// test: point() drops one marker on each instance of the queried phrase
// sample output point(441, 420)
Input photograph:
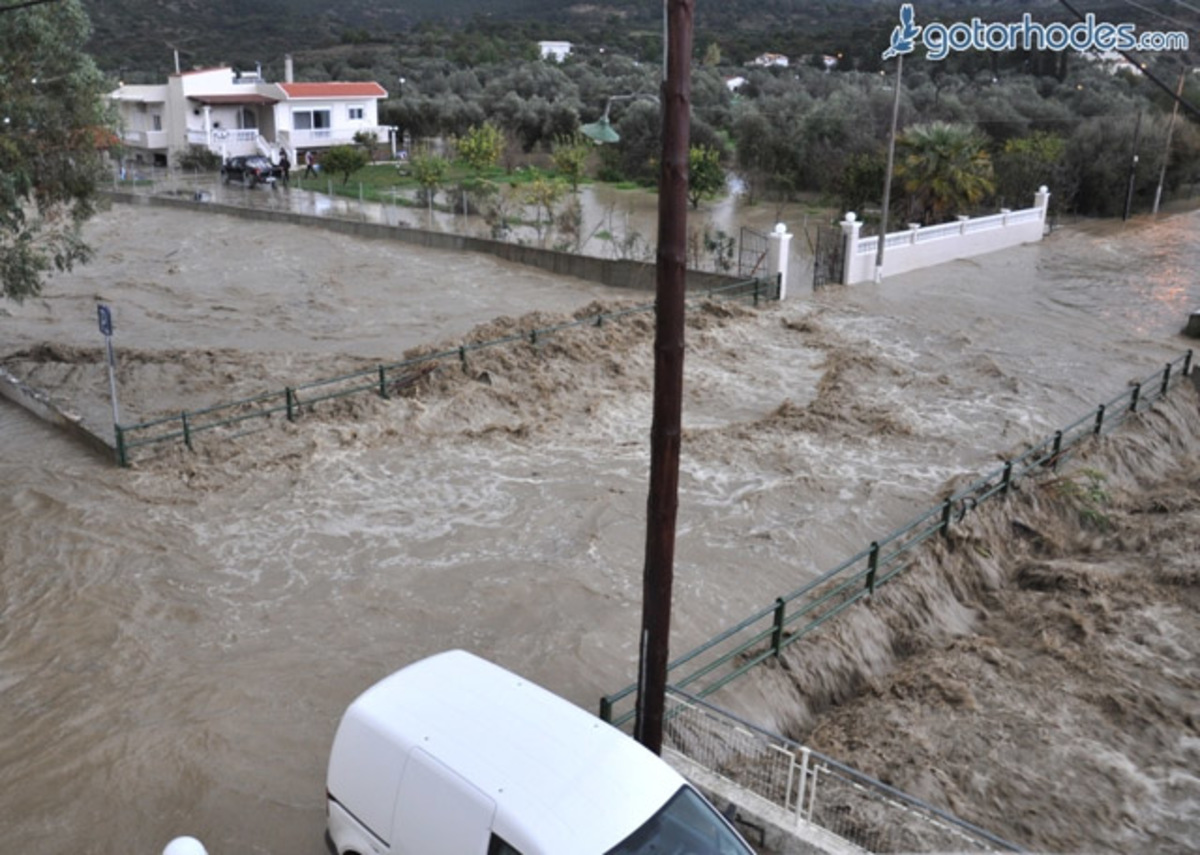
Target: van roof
point(563, 780)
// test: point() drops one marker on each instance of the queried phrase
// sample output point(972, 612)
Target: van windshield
point(686, 825)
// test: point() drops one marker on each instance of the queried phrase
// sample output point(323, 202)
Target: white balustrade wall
point(924, 246)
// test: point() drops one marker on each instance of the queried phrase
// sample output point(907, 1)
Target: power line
point(25, 5)
point(1186, 5)
point(1150, 75)
point(1158, 14)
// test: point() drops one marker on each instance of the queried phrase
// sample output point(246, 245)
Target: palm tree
point(945, 170)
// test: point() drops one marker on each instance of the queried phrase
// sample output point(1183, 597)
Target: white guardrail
point(816, 789)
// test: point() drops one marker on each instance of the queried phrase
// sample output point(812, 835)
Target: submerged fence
point(811, 787)
point(764, 634)
point(382, 380)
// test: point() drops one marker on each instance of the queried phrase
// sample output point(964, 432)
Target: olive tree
point(54, 127)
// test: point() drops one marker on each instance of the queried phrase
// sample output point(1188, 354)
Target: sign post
point(106, 329)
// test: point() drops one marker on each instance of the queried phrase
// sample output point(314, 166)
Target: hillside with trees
point(1016, 119)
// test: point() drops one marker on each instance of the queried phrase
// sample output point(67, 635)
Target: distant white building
point(234, 113)
point(770, 60)
point(558, 51)
point(1111, 61)
point(733, 84)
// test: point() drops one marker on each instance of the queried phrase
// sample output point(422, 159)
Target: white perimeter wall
point(919, 247)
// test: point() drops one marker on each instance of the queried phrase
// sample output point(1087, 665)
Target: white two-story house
point(233, 113)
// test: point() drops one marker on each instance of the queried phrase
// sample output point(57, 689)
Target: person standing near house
point(285, 166)
point(309, 161)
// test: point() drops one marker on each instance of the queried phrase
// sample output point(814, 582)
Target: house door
point(247, 119)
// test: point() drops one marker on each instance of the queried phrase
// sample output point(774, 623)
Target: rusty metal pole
point(665, 429)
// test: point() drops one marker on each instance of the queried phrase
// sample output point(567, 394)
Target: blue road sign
point(105, 319)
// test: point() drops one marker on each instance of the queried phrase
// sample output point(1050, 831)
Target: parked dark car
point(250, 170)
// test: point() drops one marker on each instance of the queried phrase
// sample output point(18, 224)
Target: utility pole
point(887, 176)
point(1162, 173)
point(665, 430)
point(1137, 134)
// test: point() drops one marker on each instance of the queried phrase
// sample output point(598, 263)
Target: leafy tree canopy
point(481, 147)
point(570, 154)
point(346, 159)
point(945, 168)
point(54, 127)
point(706, 178)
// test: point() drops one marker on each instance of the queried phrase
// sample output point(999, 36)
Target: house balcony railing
point(145, 139)
point(325, 137)
point(226, 142)
point(229, 142)
point(217, 136)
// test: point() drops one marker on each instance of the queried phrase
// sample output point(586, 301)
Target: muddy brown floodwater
point(177, 641)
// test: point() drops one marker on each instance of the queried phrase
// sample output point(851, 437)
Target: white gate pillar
point(851, 228)
point(779, 255)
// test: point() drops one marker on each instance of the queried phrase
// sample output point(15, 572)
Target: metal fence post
point(791, 779)
point(947, 513)
point(1008, 467)
point(1166, 384)
point(777, 631)
point(122, 457)
point(187, 432)
point(606, 709)
point(812, 793)
point(462, 357)
point(1134, 397)
point(291, 404)
point(383, 392)
point(1099, 427)
point(804, 756)
point(872, 566)
point(1187, 362)
point(1057, 449)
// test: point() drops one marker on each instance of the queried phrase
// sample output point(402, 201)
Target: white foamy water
point(177, 642)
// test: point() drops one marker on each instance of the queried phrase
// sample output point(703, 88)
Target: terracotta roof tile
point(333, 90)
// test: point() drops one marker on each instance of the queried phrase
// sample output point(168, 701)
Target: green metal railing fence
point(730, 654)
point(382, 380)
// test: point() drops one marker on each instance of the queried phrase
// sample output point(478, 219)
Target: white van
point(456, 756)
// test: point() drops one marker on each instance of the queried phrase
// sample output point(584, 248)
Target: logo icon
point(904, 37)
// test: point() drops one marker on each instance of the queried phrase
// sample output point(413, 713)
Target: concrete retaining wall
point(39, 403)
point(635, 275)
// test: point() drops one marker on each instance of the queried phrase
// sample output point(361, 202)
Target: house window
point(311, 120)
point(356, 114)
point(156, 122)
